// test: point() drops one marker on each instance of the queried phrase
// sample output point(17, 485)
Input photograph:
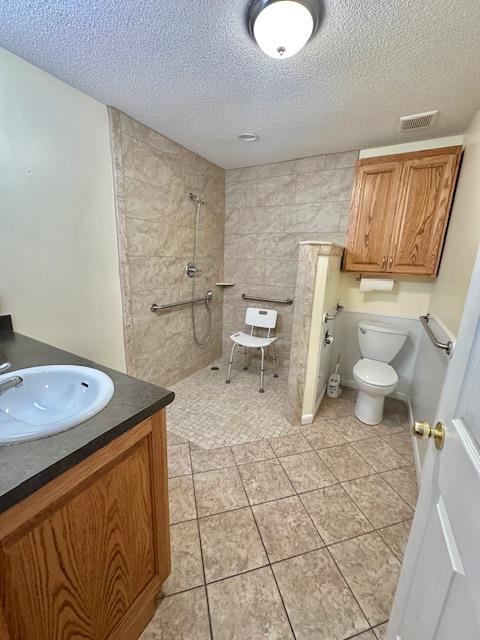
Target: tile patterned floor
point(213, 414)
point(298, 536)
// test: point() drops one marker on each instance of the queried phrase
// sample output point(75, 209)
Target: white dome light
point(282, 27)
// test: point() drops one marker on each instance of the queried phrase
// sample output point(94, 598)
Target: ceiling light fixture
point(248, 137)
point(282, 28)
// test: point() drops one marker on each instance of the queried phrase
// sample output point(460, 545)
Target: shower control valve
point(191, 270)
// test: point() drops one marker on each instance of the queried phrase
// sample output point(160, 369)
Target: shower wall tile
point(153, 178)
point(325, 186)
point(270, 191)
point(269, 210)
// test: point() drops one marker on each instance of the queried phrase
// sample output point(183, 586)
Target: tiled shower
point(250, 229)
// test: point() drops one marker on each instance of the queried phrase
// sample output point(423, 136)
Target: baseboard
point(308, 418)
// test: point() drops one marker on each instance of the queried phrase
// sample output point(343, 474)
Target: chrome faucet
point(4, 363)
point(10, 383)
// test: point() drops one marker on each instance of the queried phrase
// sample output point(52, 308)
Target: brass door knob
point(423, 430)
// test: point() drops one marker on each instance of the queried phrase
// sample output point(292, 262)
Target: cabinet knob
point(384, 259)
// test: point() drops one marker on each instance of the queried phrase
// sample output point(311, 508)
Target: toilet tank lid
point(383, 328)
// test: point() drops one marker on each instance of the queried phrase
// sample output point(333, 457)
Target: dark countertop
point(26, 466)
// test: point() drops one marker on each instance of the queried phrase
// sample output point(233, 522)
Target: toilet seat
point(375, 373)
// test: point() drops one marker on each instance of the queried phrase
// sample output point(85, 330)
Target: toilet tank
point(380, 341)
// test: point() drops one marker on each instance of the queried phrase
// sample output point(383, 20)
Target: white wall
point(58, 256)
point(409, 297)
point(463, 237)
point(450, 289)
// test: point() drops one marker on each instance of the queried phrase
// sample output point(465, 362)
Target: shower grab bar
point(446, 346)
point(338, 309)
point(272, 300)
point(208, 297)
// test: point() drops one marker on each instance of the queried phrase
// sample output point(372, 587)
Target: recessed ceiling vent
point(417, 121)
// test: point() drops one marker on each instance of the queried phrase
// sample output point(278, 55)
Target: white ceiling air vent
point(417, 121)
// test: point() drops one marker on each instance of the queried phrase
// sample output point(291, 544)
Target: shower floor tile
point(212, 414)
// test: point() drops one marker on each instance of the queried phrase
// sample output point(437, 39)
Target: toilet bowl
point(373, 375)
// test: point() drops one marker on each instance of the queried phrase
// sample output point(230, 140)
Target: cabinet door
point(371, 216)
point(422, 215)
point(84, 556)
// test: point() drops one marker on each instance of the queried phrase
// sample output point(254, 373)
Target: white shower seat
point(256, 319)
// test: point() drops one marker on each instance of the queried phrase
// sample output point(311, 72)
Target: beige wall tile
point(325, 186)
point(156, 176)
point(270, 191)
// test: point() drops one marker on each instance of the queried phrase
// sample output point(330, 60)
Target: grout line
point(268, 559)
point(201, 551)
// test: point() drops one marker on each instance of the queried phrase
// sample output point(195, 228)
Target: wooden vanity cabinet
point(85, 556)
point(399, 213)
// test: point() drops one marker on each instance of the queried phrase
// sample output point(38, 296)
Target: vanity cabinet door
point(423, 208)
point(85, 555)
point(371, 216)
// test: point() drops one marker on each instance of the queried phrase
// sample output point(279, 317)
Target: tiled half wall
point(269, 210)
point(153, 177)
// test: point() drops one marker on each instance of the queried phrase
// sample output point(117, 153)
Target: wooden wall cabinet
point(85, 556)
point(400, 209)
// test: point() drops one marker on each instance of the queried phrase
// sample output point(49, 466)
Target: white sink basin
point(51, 399)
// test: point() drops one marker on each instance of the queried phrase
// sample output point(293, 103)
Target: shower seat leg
point(274, 358)
point(230, 362)
point(245, 353)
point(262, 370)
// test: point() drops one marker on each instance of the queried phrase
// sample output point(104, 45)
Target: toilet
point(373, 375)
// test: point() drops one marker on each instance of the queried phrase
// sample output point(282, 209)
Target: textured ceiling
point(188, 69)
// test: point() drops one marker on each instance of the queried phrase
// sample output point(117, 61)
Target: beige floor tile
point(252, 452)
point(404, 481)
point(379, 454)
point(345, 463)
point(352, 429)
point(318, 601)
point(265, 480)
point(183, 616)
point(335, 514)
point(321, 434)
point(380, 631)
point(336, 407)
point(179, 460)
point(402, 444)
point(187, 568)
point(181, 499)
point(372, 571)
point(173, 438)
point(286, 528)
point(287, 445)
point(218, 491)
point(366, 635)
point(231, 544)
point(378, 501)
point(396, 410)
point(307, 472)
point(248, 607)
point(210, 459)
point(396, 537)
point(390, 427)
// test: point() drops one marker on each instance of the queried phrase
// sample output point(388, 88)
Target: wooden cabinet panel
point(422, 216)
point(78, 560)
point(373, 204)
point(400, 209)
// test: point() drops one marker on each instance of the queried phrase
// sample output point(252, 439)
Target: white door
point(438, 595)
